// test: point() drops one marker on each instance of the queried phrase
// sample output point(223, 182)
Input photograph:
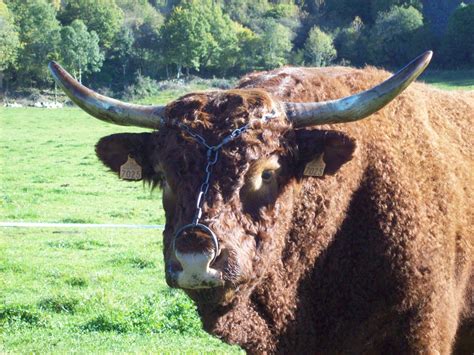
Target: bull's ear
point(323, 152)
point(114, 151)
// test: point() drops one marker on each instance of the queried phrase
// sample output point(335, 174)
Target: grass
point(60, 297)
point(450, 79)
point(82, 291)
point(50, 172)
point(89, 291)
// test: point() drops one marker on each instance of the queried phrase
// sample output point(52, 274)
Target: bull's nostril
point(173, 269)
point(174, 266)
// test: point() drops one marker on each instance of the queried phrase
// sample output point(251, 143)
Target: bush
point(143, 87)
point(319, 48)
point(458, 44)
point(397, 36)
point(351, 43)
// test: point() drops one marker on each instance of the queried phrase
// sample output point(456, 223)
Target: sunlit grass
point(50, 172)
point(93, 291)
point(82, 291)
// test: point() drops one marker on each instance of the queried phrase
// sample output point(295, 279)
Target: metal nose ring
point(202, 227)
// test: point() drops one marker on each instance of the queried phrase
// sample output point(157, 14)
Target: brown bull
point(294, 234)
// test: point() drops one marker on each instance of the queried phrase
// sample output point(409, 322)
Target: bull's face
point(220, 248)
point(253, 186)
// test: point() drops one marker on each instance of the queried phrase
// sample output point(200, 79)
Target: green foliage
point(120, 55)
point(456, 50)
point(378, 6)
point(249, 45)
point(39, 35)
point(343, 11)
point(397, 36)
point(351, 43)
point(437, 14)
point(223, 52)
point(186, 37)
point(160, 39)
point(319, 48)
point(79, 49)
point(9, 41)
point(197, 34)
point(102, 16)
point(273, 45)
point(246, 12)
point(138, 12)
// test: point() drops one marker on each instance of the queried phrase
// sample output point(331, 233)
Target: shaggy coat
point(376, 256)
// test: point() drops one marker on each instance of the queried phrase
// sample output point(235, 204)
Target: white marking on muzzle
point(196, 271)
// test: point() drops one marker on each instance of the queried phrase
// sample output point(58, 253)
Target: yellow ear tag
point(315, 167)
point(131, 170)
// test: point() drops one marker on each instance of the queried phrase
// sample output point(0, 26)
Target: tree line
point(120, 42)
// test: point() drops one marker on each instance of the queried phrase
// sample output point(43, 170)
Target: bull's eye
point(267, 175)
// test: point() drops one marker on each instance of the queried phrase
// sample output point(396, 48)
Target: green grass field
point(84, 291)
point(73, 290)
point(450, 79)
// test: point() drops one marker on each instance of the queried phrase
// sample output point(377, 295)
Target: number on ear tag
point(315, 167)
point(131, 170)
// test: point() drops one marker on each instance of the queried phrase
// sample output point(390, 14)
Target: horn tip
point(54, 68)
point(53, 65)
point(425, 58)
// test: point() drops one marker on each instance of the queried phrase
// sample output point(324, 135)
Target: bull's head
point(235, 226)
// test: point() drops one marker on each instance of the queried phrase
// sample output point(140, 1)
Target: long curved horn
point(359, 106)
point(106, 108)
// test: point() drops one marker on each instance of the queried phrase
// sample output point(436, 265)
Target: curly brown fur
point(375, 256)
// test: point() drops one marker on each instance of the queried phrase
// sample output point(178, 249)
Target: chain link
point(212, 155)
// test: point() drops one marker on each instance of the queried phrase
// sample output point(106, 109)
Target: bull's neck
point(263, 317)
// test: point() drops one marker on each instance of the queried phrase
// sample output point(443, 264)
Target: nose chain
point(212, 155)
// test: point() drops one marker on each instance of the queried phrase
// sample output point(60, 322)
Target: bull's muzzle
point(196, 247)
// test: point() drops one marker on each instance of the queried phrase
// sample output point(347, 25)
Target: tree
point(246, 12)
point(39, 38)
point(223, 51)
point(458, 43)
point(319, 48)
point(80, 49)
point(378, 6)
point(437, 13)
point(351, 43)
point(249, 46)
point(185, 37)
point(102, 16)
point(274, 44)
point(343, 11)
point(397, 36)
point(138, 12)
point(119, 57)
point(9, 41)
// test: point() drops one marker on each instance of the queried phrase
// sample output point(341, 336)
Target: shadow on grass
point(450, 79)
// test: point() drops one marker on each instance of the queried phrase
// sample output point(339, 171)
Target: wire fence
point(78, 225)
